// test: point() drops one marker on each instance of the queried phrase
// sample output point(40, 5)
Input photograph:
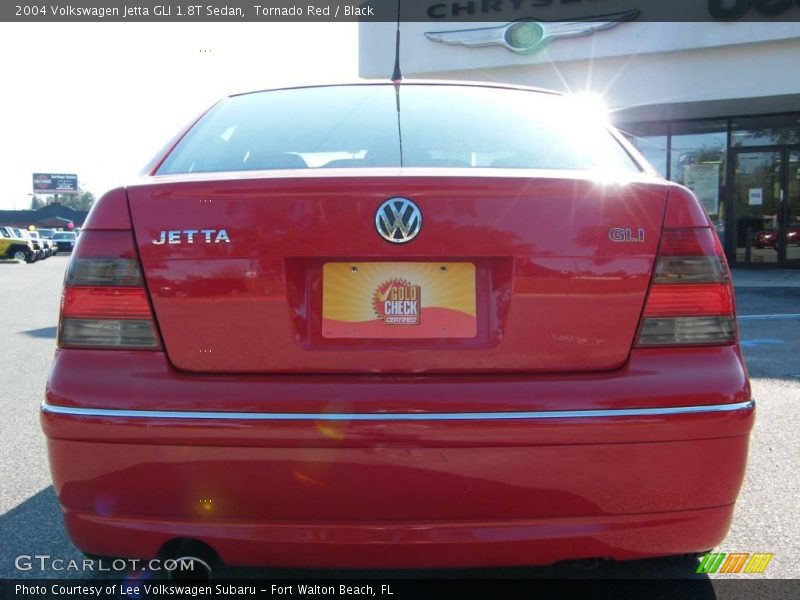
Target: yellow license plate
point(398, 300)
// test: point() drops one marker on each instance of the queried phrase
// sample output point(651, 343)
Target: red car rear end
point(396, 326)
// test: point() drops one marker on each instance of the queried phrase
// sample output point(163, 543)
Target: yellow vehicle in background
point(15, 247)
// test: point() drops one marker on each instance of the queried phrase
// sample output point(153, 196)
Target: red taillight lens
point(105, 303)
point(691, 299)
point(117, 302)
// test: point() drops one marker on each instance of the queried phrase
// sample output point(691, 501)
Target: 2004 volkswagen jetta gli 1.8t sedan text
point(398, 325)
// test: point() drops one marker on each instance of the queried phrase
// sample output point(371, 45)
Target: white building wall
point(647, 70)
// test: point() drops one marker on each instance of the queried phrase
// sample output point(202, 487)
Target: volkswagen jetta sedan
point(398, 325)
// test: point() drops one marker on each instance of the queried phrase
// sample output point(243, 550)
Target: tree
point(83, 200)
point(36, 203)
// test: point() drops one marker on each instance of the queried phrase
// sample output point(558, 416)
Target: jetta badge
point(398, 220)
point(189, 236)
point(529, 36)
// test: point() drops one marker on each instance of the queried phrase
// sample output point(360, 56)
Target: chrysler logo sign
point(529, 36)
point(398, 220)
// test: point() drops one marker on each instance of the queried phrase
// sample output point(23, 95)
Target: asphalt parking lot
point(767, 517)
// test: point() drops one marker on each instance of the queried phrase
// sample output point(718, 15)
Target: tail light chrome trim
point(690, 270)
point(687, 331)
point(106, 413)
point(105, 302)
point(124, 334)
point(690, 301)
point(118, 272)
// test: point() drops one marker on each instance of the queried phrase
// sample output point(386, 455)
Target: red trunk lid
point(543, 273)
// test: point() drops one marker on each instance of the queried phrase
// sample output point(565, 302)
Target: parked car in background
point(768, 237)
point(12, 246)
point(64, 240)
point(47, 246)
point(48, 235)
point(37, 245)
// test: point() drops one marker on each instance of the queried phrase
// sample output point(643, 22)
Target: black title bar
point(387, 10)
point(699, 588)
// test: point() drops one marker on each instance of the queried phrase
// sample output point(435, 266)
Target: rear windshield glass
point(388, 126)
point(64, 236)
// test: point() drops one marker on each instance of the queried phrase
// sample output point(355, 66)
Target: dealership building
point(714, 106)
point(54, 216)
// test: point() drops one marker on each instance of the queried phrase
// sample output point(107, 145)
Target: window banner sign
point(703, 180)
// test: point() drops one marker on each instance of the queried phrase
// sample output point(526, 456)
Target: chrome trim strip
point(477, 416)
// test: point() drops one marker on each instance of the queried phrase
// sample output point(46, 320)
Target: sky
point(101, 99)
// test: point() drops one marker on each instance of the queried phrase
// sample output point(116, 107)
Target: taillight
point(105, 303)
point(691, 300)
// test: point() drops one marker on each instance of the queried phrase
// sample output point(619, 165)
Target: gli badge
point(626, 235)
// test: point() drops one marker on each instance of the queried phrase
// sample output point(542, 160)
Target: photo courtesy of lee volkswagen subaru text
point(398, 325)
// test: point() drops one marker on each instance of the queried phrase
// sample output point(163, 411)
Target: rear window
point(392, 126)
point(64, 236)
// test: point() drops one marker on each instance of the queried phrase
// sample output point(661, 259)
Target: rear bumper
point(412, 545)
point(345, 487)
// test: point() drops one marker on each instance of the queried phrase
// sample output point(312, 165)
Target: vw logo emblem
point(398, 220)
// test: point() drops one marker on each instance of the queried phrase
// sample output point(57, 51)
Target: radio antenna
point(397, 75)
